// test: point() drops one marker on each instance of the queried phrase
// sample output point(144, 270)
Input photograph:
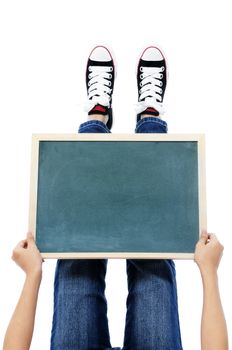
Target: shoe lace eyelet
point(110, 76)
point(141, 76)
point(89, 76)
point(160, 84)
point(89, 83)
point(109, 83)
point(141, 69)
point(90, 68)
point(161, 76)
point(141, 84)
point(162, 69)
point(111, 69)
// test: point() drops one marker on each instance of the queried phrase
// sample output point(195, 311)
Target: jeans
point(80, 307)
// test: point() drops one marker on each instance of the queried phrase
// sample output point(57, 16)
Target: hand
point(208, 253)
point(27, 256)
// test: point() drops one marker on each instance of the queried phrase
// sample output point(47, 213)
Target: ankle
point(100, 117)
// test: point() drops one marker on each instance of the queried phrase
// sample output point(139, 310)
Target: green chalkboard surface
point(117, 196)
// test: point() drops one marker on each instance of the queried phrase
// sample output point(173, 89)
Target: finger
point(16, 251)
point(21, 244)
point(30, 239)
point(30, 236)
point(204, 237)
point(212, 238)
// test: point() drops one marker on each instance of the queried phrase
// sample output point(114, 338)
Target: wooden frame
point(199, 138)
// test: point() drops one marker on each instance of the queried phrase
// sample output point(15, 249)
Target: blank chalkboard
point(137, 196)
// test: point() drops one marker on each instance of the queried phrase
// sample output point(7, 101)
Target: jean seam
point(153, 119)
point(56, 287)
point(101, 127)
point(150, 120)
point(161, 122)
point(94, 124)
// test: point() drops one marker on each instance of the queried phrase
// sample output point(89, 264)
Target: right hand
point(208, 253)
point(27, 256)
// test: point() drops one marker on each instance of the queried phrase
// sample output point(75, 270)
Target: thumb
point(204, 237)
point(30, 238)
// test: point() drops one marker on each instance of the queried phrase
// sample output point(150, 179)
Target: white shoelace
point(99, 90)
point(151, 89)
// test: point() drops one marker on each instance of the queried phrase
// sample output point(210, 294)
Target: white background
point(44, 46)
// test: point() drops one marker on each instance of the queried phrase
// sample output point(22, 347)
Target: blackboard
point(117, 196)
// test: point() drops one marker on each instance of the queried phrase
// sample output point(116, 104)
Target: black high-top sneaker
point(151, 82)
point(100, 74)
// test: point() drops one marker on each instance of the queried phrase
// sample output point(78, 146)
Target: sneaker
point(100, 74)
point(151, 82)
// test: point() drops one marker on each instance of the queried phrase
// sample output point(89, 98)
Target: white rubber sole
point(162, 53)
point(111, 52)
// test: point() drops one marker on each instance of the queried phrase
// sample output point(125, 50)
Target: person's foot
point(100, 74)
point(151, 82)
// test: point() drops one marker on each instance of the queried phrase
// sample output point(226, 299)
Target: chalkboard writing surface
point(131, 196)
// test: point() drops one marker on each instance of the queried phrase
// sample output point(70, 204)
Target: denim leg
point(93, 126)
point(80, 307)
point(152, 320)
point(151, 125)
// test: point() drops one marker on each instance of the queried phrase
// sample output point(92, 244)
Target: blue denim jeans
point(80, 307)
